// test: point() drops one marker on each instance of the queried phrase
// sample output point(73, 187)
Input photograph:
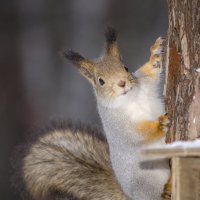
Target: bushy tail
point(68, 161)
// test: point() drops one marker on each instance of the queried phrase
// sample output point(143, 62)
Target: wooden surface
point(182, 91)
point(185, 178)
point(185, 168)
point(182, 84)
point(171, 152)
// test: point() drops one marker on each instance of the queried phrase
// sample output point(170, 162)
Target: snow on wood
point(198, 70)
point(175, 149)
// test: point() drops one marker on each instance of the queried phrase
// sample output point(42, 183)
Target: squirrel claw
point(164, 122)
point(158, 46)
point(156, 64)
point(157, 51)
point(167, 190)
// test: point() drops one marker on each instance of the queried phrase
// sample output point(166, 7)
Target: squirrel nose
point(122, 84)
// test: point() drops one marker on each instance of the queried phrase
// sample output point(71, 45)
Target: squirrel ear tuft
point(85, 66)
point(111, 43)
point(111, 35)
point(73, 56)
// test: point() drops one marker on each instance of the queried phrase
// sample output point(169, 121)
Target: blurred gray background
point(37, 84)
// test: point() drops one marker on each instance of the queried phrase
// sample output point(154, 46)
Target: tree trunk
point(182, 84)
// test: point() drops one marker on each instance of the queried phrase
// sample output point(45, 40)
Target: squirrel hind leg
point(167, 192)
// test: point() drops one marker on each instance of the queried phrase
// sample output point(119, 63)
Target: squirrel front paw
point(153, 67)
point(163, 123)
point(152, 130)
point(157, 51)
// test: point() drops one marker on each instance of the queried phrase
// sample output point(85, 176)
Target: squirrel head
point(108, 76)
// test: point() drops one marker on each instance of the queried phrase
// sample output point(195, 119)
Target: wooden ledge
point(185, 157)
point(175, 149)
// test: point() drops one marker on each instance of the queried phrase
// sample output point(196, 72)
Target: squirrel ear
point(111, 42)
point(85, 66)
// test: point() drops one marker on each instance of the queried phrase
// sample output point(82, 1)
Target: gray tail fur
point(69, 162)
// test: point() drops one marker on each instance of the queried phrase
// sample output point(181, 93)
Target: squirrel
point(75, 163)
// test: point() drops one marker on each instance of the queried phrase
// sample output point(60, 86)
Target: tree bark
point(182, 84)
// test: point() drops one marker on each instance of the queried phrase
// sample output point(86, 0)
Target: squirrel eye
point(101, 81)
point(126, 68)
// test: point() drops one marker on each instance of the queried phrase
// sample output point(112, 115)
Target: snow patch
point(179, 144)
point(198, 70)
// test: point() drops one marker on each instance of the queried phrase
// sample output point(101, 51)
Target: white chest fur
point(139, 179)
